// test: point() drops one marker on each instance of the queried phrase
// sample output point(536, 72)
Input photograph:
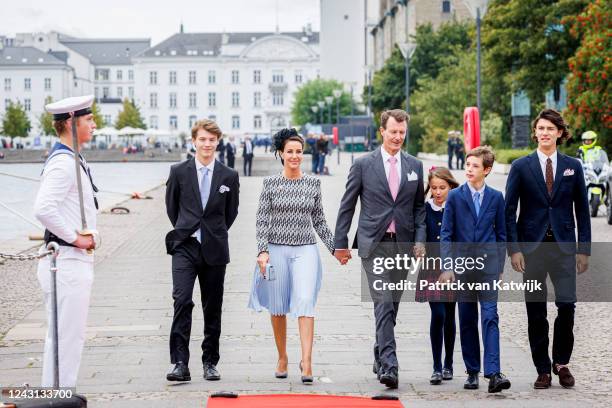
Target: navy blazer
point(461, 225)
point(538, 210)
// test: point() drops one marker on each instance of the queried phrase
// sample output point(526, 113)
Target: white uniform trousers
point(74, 280)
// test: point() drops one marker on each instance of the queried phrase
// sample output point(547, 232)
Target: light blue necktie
point(477, 202)
point(204, 193)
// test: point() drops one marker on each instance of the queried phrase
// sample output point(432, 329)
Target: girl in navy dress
point(441, 302)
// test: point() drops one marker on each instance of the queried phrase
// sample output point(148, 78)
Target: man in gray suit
point(389, 184)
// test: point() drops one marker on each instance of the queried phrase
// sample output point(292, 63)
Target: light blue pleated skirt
point(298, 273)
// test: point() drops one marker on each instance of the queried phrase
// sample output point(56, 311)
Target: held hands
point(342, 255)
point(446, 277)
point(419, 250)
point(262, 261)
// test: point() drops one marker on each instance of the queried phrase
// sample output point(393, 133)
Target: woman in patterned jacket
point(287, 278)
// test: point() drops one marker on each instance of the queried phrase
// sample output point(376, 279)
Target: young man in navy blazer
point(551, 190)
point(474, 213)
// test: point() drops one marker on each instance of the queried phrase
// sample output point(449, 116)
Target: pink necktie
point(393, 186)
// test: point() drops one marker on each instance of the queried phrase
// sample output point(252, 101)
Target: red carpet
point(300, 401)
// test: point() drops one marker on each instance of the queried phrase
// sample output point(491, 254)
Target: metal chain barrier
point(28, 257)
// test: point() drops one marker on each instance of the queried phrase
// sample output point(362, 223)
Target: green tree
point(433, 48)
point(439, 103)
point(528, 44)
point(100, 123)
point(588, 84)
point(15, 121)
point(129, 116)
point(312, 92)
point(45, 120)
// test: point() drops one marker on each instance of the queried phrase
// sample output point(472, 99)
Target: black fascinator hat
point(282, 136)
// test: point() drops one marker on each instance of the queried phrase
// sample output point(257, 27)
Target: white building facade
point(244, 81)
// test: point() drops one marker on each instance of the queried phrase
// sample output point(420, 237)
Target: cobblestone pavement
point(126, 353)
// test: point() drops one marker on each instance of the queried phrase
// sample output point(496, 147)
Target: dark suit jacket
point(244, 149)
point(538, 210)
point(230, 151)
point(184, 208)
point(461, 226)
point(368, 182)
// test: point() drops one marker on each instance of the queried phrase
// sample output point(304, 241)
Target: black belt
point(390, 236)
point(49, 236)
point(549, 236)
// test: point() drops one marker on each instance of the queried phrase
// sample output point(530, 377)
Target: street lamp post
point(321, 106)
point(337, 94)
point(328, 102)
point(369, 109)
point(314, 109)
point(481, 9)
point(407, 50)
point(352, 118)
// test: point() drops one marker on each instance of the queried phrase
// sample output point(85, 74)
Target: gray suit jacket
point(367, 181)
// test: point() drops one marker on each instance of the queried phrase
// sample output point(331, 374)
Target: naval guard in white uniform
point(66, 206)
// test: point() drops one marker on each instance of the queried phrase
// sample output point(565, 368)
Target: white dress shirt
point(474, 191)
point(57, 203)
point(200, 174)
point(398, 163)
point(542, 157)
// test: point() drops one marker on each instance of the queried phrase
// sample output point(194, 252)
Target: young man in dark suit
point(202, 204)
point(551, 190)
point(247, 156)
point(230, 152)
point(473, 223)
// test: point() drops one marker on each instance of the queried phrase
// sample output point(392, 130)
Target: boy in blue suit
point(475, 214)
point(550, 187)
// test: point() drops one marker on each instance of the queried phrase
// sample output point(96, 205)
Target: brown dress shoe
point(566, 379)
point(543, 382)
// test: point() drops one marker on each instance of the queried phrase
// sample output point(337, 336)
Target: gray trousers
point(386, 305)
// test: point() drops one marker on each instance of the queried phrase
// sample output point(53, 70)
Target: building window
point(257, 122)
point(105, 92)
point(27, 84)
point(97, 92)
point(235, 77)
point(7, 84)
point(257, 76)
point(120, 92)
point(173, 123)
point(212, 77)
point(278, 98)
point(235, 99)
point(7, 103)
point(257, 99)
point(27, 104)
point(446, 6)
point(212, 99)
point(193, 100)
point(298, 77)
point(153, 78)
point(107, 119)
point(235, 122)
point(131, 75)
point(192, 120)
point(119, 75)
point(131, 92)
point(153, 99)
point(47, 84)
point(153, 122)
point(212, 117)
point(102, 74)
point(192, 78)
point(277, 77)
point(172, 99)
point(172, 78)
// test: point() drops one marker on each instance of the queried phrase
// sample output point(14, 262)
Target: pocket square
point(412, 176)
point(223, 189)
point(568, 172)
